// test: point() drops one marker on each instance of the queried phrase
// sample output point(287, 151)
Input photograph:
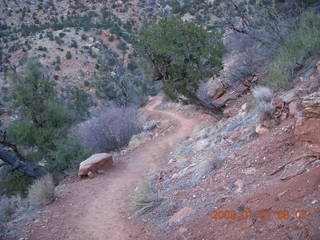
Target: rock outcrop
point(94, 163)
point(307, 126)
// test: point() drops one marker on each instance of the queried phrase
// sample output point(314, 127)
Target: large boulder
point(307, 125)
point(94, 163)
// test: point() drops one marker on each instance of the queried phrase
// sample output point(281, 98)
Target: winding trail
point(100, 208)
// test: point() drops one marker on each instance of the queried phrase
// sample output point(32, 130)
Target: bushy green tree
point(43, 121)
point(117, 86)
point(181, 54)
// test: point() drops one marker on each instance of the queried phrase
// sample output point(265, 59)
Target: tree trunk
point(17, 162)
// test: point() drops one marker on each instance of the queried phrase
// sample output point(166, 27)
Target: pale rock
point(239, 185)
point(183, 230)
point(90, 174)
point(292, 108)
point(201, 145)
point(261, 130)
point(179, 216)
point(95, 162)
point(100, 171)
point(245, 108)
point(289, 96)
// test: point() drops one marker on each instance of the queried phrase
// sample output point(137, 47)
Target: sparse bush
point(111, 38)
point(68, 55)
point(84, 37)
point(74, 44)
point(203, 92)
point(62, 34)
point(145, 198)
point(111, 130)
point(300, 45)
point(263, 96)
point(6, 209)
point(44, 49)
point(58, 40)
point(41, 192)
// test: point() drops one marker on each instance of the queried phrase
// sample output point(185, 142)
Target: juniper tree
point(182, 55)
point(43, 119)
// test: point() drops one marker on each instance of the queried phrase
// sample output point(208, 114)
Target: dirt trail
point(99, 208)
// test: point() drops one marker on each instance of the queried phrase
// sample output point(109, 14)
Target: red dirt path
point(99, 208)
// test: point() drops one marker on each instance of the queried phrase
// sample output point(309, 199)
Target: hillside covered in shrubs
point(233, 85)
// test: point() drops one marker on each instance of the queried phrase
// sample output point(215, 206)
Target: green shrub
point(40, 48)
point(68, 55)
point(84, 37)
point(300, 45)
point(181, 54)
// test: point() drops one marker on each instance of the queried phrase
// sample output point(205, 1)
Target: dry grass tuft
point(41, 192)
point(263, 96)
point(145, 198)
point(6, 209)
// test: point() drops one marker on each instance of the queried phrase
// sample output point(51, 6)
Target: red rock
point(315, 148)
point(94, 163)
point(184, 212)
point(311, 105)
point(308, 130)
point(307, 125)
point(217, 88)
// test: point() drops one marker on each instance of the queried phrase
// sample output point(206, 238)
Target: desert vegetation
point(301, 45)
point(145, 198)
point(74, 74)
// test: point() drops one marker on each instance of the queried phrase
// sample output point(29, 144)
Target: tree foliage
point(43, 119)
point(115, 83)
point(181, 54)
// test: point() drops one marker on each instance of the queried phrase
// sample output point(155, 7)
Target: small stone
point(281, 194)
point(184, 212)
point(90, 174)
point(239, 185)
point(314, 201)
point(261, 130)
point(100, 171)
point(183, 230)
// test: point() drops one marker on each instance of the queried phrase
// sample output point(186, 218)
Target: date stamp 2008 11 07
point(262, 214)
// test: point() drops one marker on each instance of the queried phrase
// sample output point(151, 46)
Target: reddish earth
point(272, 174)
point(100, 208)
